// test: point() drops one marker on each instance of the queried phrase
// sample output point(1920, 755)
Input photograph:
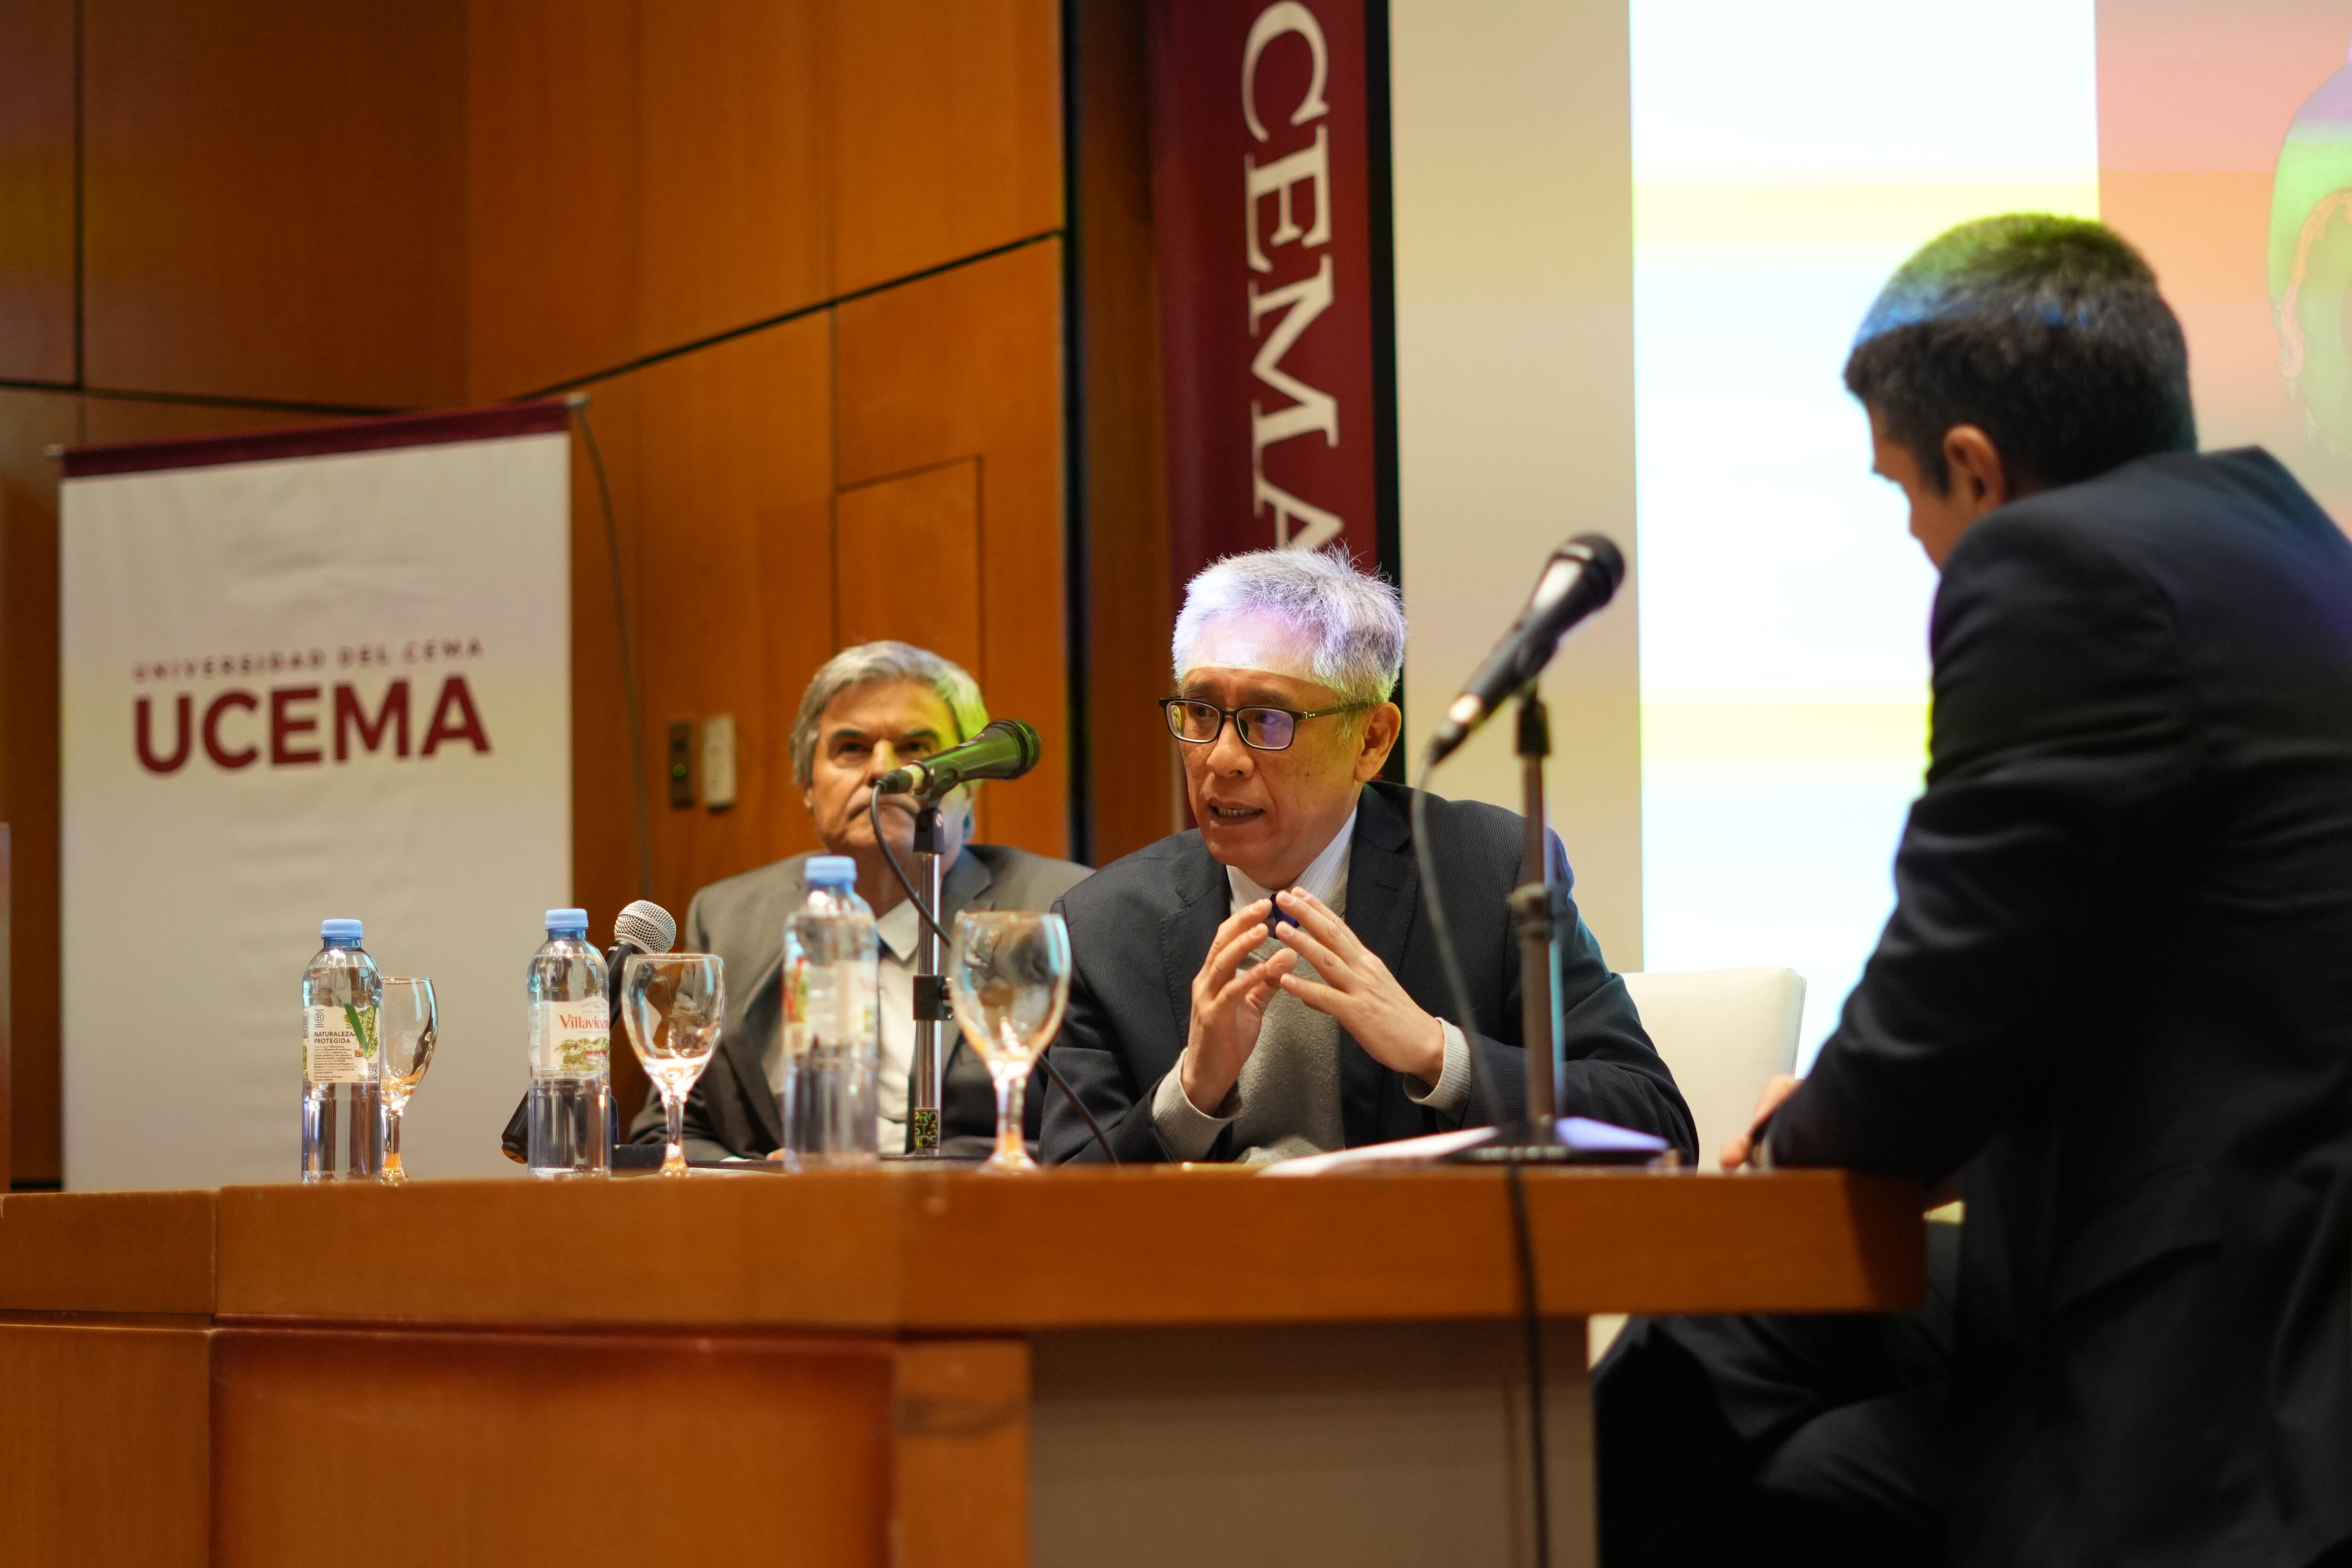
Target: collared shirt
point(1188, 1130)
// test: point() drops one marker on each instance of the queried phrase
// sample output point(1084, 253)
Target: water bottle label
point(836, 1004)
point(797, 1004)
point(339, 1045)
point(568, 1038)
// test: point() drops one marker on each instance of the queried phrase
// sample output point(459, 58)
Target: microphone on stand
point(1005, 749)
point(644, 927)
point(1581, 577)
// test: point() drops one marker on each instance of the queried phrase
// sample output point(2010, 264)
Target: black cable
point(1531, 1328)
point(1530, 1316)
point(579, 404)
point(1481, 1093)
point(1045, 1056)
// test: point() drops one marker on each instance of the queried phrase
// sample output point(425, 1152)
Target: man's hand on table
point(1741, 1150)
point(1228, 1006)
point(1354, 986)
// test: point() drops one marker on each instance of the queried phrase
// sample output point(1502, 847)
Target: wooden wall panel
point(734, 98)
point(29, 423)
point(103, 1446)
point(469, 1447)
point(274, 199)
point(947, 132)
point(963, 1453)
point(1131, 606)
point(550, 192)
point(907, 555)
point(106, 420)
point(734, 447)
point(968, 364)
point(37, 191)
point(604, 811)
point(721, 468)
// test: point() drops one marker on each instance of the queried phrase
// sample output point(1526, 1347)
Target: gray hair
point(1352, 620)
point(878, 662)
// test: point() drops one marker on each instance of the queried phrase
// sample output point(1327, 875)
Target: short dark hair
point(2045, 332)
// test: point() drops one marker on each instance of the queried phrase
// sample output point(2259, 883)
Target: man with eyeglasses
point(1267, 985)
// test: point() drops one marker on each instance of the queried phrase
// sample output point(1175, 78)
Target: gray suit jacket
point(741, 920)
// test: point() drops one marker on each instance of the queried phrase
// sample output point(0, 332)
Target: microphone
point(1581, 577)
point(644, 927)
point(1006, 749)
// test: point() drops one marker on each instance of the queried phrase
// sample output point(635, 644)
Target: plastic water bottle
point(832, 1017)
point(343, 1100)
point(570, 1039)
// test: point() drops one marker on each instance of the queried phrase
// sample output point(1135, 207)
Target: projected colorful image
point(1783, 605)
point(1786, 158)
point(2311, 271)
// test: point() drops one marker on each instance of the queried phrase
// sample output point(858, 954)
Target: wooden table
point(1139, 1366)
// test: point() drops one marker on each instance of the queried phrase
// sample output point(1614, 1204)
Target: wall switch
point(681, 765)
point(718, 761)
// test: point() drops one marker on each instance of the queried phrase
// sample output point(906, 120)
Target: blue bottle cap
point(340, 933)
point(830, 871)
point(567, 922)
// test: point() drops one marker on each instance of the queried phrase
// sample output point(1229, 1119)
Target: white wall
point(1514, 358)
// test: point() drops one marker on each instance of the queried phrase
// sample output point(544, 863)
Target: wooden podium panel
point(959, 1252)
point(144, 1253)
point(907, 1366)
point(104, 1458)
point(525, 1448)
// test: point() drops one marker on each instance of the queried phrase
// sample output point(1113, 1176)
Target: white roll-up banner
point(306, 674)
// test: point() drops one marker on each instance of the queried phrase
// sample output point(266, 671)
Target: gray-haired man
point(1265, 985)
point(870, 708)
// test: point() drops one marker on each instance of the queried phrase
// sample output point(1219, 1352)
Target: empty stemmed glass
point(407, 1025)
point(674, 1003)
point(1010, 980)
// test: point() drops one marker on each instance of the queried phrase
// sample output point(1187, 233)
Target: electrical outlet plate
point(681, 765)
point(718, 762)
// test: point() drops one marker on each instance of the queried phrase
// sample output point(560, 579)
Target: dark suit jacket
point(1140, 928)
point(2118, 988)
point(741, 920)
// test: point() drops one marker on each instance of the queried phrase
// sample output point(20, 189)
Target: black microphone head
point(646, 926)
point(1605, 561)
point(1031, 748)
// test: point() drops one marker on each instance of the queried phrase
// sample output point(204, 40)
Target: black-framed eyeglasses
point(1262, 729)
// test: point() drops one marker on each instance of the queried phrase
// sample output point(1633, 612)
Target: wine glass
point(1010, 980)
point(407, 1024)
point(673, 1004)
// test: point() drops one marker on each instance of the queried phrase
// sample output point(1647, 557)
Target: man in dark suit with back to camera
point(2115, 998)
point(870, 708)
point(1267, 985)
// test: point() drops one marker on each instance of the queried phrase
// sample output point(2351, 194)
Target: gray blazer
point(741, 920)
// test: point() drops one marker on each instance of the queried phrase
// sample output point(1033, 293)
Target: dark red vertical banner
point(1269, 192)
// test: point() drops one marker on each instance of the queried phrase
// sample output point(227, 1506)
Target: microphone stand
point(1539, 905)
point(930, 990)
point(931, 1013)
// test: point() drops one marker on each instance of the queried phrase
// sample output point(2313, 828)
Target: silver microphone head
point(646, 926)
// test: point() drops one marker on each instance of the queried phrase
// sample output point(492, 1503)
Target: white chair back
point(1722, 1032)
